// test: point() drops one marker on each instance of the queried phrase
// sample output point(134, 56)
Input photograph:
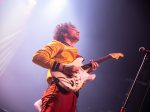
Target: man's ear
point(64, 34)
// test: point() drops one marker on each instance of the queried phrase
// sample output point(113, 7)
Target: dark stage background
point(106, 26)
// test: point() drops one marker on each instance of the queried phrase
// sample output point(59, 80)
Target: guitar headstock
point(116, 55)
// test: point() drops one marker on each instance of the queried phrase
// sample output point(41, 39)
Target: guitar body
point(76, 82)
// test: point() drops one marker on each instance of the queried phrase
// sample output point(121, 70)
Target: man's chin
point(75, 40)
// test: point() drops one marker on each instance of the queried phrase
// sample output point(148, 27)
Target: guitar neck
point(87, 66)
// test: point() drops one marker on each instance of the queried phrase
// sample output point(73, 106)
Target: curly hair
point(60, 29)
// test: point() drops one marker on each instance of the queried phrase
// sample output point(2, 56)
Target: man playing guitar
point(66, 73)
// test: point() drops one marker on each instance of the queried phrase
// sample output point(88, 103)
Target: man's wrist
point(55, 66)
point(61, 67)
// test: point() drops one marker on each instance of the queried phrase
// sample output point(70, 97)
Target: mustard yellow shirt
point(54, 51)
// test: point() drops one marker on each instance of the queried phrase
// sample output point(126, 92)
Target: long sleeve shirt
point(54, 52)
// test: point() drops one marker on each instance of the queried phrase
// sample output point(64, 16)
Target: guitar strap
point(54, 80)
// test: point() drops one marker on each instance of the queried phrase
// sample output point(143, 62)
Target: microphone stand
point(123, 108)
point(145, 95)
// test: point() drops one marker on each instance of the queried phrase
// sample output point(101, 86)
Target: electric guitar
point(78, 80)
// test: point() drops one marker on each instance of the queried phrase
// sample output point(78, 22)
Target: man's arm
point(44, 56)
point(37, 105)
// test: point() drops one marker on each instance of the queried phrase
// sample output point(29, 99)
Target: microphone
point(142, 49)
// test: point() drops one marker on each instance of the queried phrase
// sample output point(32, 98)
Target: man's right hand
point(68, 70)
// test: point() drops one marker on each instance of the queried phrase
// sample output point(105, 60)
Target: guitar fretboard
point(87, 66)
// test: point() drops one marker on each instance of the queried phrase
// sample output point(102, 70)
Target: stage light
point(32, 2)
point(54, 7)
point(58, 5)
point(8, 48)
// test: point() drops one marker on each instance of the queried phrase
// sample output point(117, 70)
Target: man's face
point(74, 34)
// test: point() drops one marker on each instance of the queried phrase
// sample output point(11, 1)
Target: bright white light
point(55, 9)
point(32, 2)
point(58, 5)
